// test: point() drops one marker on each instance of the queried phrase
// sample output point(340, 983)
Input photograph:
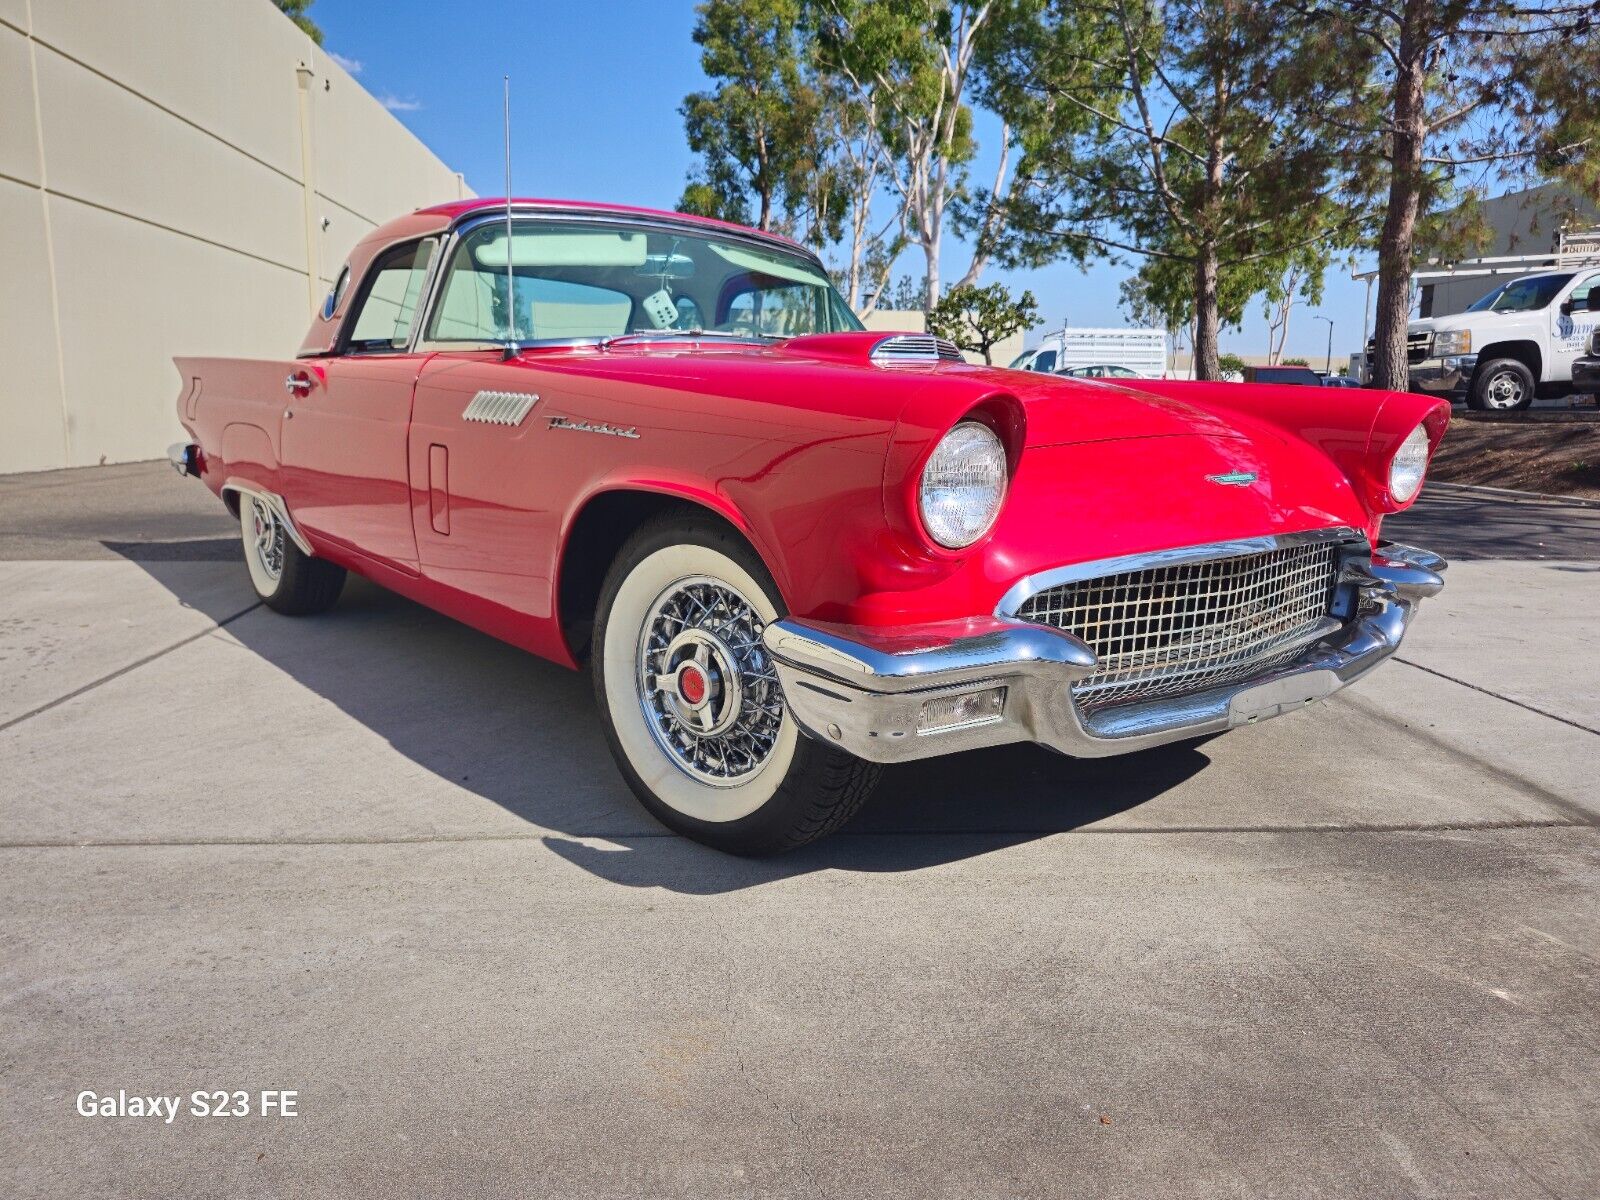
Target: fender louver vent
point(910, 349)
point(500, 408)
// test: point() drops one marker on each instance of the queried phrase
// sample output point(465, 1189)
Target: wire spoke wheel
point(267, 538)
point(710, 695)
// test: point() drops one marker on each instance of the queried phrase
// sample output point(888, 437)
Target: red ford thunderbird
point(788, 549)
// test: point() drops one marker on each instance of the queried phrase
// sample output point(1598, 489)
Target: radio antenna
point(511, 275)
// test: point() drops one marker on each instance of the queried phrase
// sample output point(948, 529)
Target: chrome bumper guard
point(869, 690)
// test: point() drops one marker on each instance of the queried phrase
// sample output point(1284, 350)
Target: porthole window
point(331, 304)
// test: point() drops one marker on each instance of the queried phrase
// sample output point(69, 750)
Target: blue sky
point(595, 93)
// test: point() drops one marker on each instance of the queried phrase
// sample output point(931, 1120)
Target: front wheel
point(1501, 385)
point(692, 707)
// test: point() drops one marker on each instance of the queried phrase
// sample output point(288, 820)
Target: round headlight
point(963, 485)
point(1408, 466)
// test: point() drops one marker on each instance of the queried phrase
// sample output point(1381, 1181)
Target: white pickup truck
point(1518, 341)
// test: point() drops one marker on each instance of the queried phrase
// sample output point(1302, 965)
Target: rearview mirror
point(666, 266)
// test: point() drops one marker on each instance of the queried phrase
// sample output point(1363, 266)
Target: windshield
point(1522, 295)
point(593, 280)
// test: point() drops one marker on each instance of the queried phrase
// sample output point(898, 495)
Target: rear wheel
point(693, 710)
point(1501, 385)
point(285, 577)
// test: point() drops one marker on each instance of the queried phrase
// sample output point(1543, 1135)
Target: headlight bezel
point(1450, 342)
point(1412, 454)
point(982, 445)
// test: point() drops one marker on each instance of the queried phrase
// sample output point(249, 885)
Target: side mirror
point(1594, 298)
point(1566, 308)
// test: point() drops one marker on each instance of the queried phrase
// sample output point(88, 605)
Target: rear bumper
point(184, 457)
point(869, 690)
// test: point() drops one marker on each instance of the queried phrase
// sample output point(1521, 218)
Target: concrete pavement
point(385, 861)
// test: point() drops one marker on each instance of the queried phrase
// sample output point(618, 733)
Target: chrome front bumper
point(868, 690)
point(1448, 376)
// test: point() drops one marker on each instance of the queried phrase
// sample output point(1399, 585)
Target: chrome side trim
point(500, 408)
point(279, 510)
point(1074, 573)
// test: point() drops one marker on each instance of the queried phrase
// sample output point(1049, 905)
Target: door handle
point(298, 384)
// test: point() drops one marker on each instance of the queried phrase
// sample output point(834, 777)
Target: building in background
point(1530, 222)
point(176, 178)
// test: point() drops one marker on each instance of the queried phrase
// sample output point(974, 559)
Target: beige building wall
point(177, 177)
point(1527, 222)
point(894, 320)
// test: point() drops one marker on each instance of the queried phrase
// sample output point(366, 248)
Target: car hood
point(1060, 410)
point(835, 372)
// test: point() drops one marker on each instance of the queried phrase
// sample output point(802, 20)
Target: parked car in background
point(1141, 351)
point(1340, 381)
point(1517, 342)
point(787, 549)
point(1296, 375)
point(1099, 371)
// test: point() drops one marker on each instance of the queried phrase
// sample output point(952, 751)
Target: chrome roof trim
point(1032, 585)
point(471, 220)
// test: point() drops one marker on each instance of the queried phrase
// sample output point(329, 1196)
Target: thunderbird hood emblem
point(1233, 478)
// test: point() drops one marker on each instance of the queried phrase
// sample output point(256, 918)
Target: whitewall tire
point(692, 706)
point(285, 577)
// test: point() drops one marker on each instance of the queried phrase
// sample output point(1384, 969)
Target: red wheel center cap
point(692, 685)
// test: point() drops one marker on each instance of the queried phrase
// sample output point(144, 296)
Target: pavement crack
point(123, 670)
point(1498, 696)
point(543, 835)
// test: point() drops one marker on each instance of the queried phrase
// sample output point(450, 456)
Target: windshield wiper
point(686, 335)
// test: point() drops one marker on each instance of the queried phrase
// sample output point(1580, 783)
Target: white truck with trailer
point(1142, 351)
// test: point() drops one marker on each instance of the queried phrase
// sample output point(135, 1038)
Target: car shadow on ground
point(524, 734)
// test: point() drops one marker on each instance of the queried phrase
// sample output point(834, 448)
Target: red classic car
point(789, 549)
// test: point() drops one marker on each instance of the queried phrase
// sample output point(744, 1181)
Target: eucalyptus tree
point(1177, 133)
point(755, 130)
point(918, 65)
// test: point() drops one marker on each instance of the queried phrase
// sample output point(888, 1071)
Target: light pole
point(1327, 365)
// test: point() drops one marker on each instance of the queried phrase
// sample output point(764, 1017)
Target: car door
point(344, 429)
point(1571, 325)
point(488, 486)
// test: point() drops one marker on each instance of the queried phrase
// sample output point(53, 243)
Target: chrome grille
point(1173, 630)
point(1418, 346)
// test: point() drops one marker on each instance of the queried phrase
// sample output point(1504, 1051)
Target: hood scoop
point(913, 349)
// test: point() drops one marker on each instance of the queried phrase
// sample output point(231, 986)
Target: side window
point(1045, 362)
point(384, 315)
point(1580, 294)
